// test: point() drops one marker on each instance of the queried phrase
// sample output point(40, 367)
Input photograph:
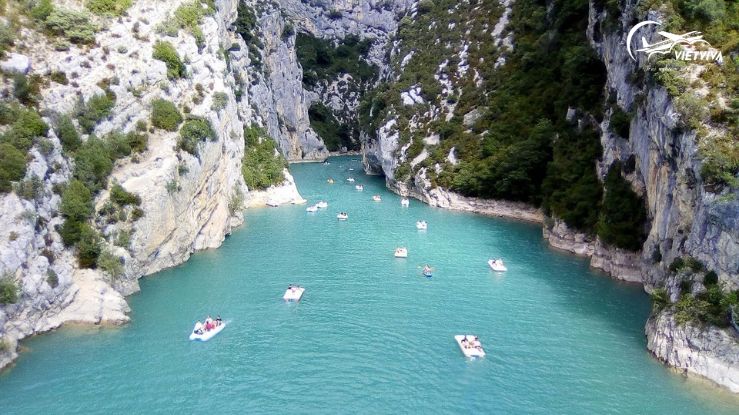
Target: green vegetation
point(220, 100)
point(30, 189)
point(246, 26)
point(509, 150)
point(72, 25)
point(7, 38)
point(166, 52)
point(193, 132)
point(321, 61)
point(67, 134)
point(620, 123)
point(120, 196)
point(334, 133)
point(110, 263)
point(189, 16)
point(89, 246)
point(711, 306)
point(97, 108)
point(623, 213)
point(76, 208)
point(42, 10)
point(26, 129)
point(12, 166)
point(262, 165)
point(8, 290)
point(108, 7)
point(571, 188)
point(165, 115)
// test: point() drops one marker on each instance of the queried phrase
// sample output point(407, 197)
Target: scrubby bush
point(24, 91)
point(59, 77)
point(88, 247)
point(42, 10)
point(30, 189)
point(166, 52)
point(189, 16)
point(12, 166)
point(67, 134)
point(93, 164)
point(660, 300)
point(120, 196)
point(165, 115)
point(262, 166)
point(108, 7)
point(8, 290)
point(110, 264)
point(27, 126)
point(138, 141)
point(623, 214)
point(76, 202)
point(97, 108)
point(193, 131)
point(73, 25)
point(51, 278)
point(220, 100)
point(677, 264)
point(711, 278)
point(620, 123)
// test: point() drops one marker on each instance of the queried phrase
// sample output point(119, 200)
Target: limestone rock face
point(276, 89)
point(707, 351)
point(16, 63)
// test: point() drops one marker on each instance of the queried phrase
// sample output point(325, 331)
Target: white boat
point(311, 208)
point(377, 198)
point(359, 187)
point(342, 216)
point(293, 293)
point(470, 345)
point(422, 225)
point(351, 168)
point(405, 202)
point(273, 203)
point(427, 272)
point(330, 181)
point(401, 252)
point(497, 265)
point(299, 201)
point(200, 334)
point(350, 180)
point(321, 205)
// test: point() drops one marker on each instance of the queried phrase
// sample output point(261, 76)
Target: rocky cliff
point(189, 202)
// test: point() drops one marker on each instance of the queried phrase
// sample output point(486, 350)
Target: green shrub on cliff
point(12, 166)
point(194, 131)
point(68, 135)
point(166, 52)
point(73, 25)
point(8, 290)
point(108, 7)
point(110, 264)
point(165, 115)
point(623, 215)
point(89, 247)
point(96, 109)
point(262, 166)
point(120, 196)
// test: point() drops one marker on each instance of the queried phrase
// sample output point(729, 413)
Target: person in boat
point(219, 321)
point(426, 269)
point(198, 328)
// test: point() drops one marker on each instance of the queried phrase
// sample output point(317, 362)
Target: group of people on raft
point(209, 325)
point(473, 343)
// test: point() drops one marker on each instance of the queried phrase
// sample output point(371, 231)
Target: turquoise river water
point(371, 334)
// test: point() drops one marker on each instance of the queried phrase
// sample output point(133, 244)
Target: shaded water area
point(371, 335)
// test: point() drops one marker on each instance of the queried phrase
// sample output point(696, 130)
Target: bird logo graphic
point(665, 46)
